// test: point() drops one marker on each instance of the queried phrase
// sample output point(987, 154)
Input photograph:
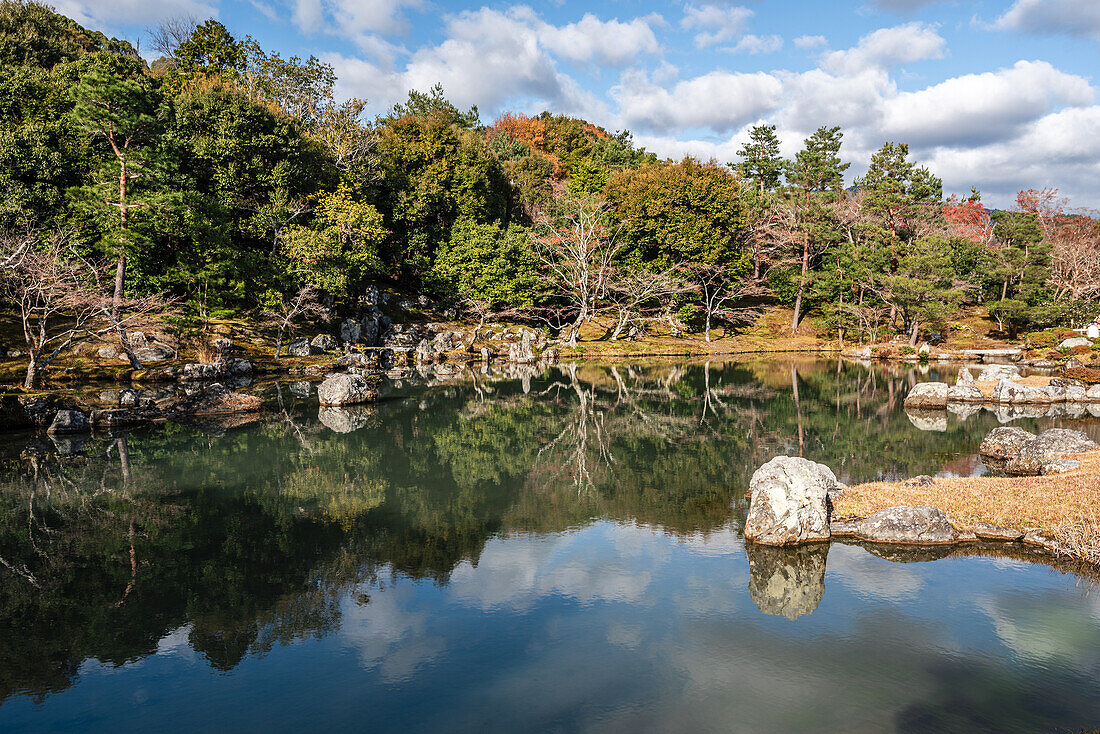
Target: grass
point(1065, 505)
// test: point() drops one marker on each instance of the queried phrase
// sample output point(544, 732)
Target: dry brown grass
point(1065, 503)
point(1080, 539)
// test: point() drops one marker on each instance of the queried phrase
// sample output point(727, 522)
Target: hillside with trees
point(223, 179)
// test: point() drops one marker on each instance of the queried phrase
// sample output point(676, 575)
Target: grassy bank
point(1063, 507)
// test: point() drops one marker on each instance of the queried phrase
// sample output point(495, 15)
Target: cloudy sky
point(997, 94)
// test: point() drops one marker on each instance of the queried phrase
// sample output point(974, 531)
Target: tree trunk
point(1004, 290)
point(279, 342)
point(120, 288)
point(708, 325)
point(913, 335)
point(801, 284)
point(32, 373)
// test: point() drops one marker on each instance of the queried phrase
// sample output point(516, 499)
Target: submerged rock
point(1050, 444)
point(787, 582)
point(927, 420)
point(927, 395)
point(789, 502)
point(69, 421)
point(347, 390)
point(985, 531)
point(1004, 443)
point(914, 525)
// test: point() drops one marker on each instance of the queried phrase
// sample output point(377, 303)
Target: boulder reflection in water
point(787, 582)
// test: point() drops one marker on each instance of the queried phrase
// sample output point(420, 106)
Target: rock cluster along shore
point(938, 395)
point(1020, 453)
point(791, 501)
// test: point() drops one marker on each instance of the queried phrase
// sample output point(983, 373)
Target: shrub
point(1087, 375)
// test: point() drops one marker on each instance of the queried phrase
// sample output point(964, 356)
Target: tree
point(281, 315)
point(434, 104)
point(633, 293)
point(489, 265)
point(721, 284)
point(817, 176)
point(760, 159)
point(578, 251)
point(171, 33)
point(210, 50)
point(925, 287)
point(115, 101)
point(897, 190)
point(60, 297)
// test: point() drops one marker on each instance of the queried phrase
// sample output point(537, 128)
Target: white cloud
point(716, 24)
point(904, 6)
point(978, 108)
point(99, 14)
point(721, 101)
point(352, 18)
point(1068, 17)
point(751, 44)
point(612, 42)
point(810, 42)
point(888, 47)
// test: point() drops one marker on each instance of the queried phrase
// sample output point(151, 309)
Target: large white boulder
point(347, 389)
point(789, 502)
point(927, 395)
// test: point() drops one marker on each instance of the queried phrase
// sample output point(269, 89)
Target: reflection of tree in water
point(250, 537)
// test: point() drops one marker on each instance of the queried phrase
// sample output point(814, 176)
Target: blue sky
point(998, 94)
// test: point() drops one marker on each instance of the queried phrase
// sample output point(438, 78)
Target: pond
point(551, 550)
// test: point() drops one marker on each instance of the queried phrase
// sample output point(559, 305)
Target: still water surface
point(559, 551)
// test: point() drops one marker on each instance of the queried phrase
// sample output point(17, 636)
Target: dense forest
point(223, 178)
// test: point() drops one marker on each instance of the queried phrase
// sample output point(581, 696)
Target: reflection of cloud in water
point(870, 576)
point(176, 643)
point(601, 563)
point(1033, 627)
point(389, 634)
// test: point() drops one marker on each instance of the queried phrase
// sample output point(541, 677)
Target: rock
point(864, 353)
point(966, 377)
point(347, 390)
point(927, 420)
point(300, 348)
point(842, 529)
point(1074, 342)
point(1058, 466)
point(985, 531)
point(222, 344)
point(1075, 394)
point(1057, 393)
point(107, 353)
point(999, 372)
point(1093, 392)
point(522, 352)
point(138, 339)
point(916, 525)
point(301, 388)
point(128, 398)
point(927, 395)
point(359, 359)
point(323, 342)
point(1066, 382)
point(789, 498)
point(786, 582)
point(425, 353)
point(148, 354)
point(69, 421)
point(965, 393)
point(350, 331)
point(371, 295)
point(1041, 538)
point(1045, 364)
point(924, 349)
point(1050, 444)
point(1004, 443)
point(347, 420)
point(1007, 391)
point(215, 399)
point(924, 480)
point(118, 417)
point(371, 329)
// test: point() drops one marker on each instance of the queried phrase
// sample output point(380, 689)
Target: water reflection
point(538, 549)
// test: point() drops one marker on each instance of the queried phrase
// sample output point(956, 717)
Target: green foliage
point(760, 160)
point(672, 213)
point(487, 265)
point(32, 34)
point(817, 167)
point(434, 105)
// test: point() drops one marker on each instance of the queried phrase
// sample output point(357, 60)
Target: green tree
point(115, 102)
point(760, 159)
point(487, 267)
